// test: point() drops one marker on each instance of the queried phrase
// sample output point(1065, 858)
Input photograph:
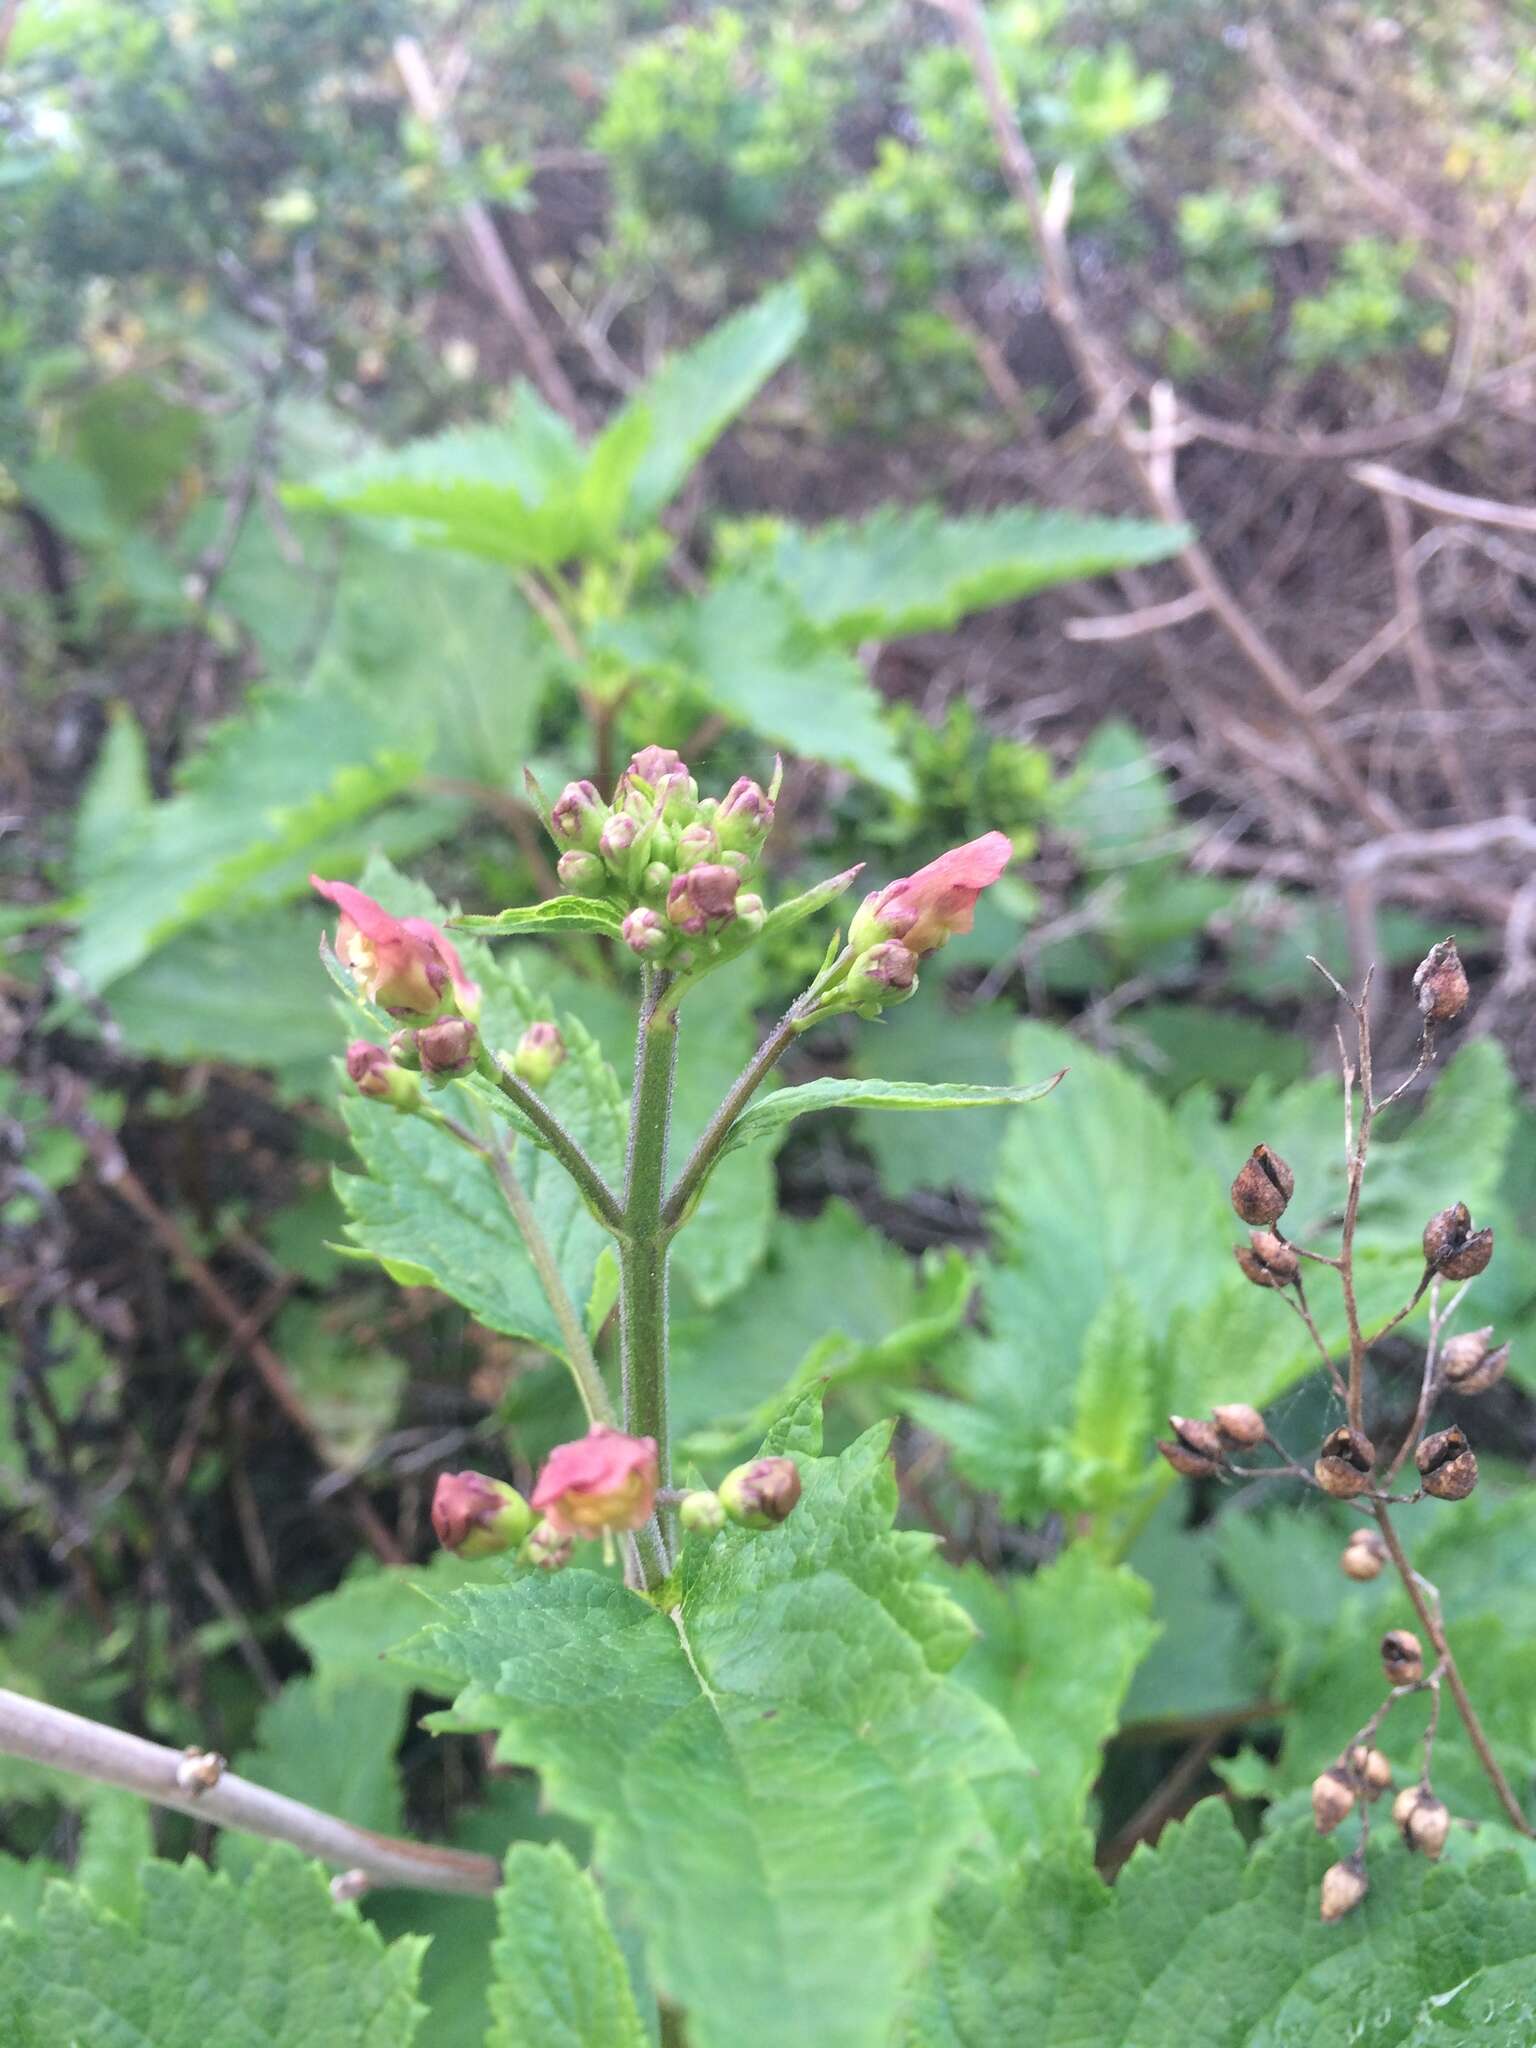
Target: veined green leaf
point(560, 1980)
point(558, 914)
point(839, 1092)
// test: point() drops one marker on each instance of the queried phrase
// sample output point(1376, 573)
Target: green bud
point(582, 873)
point(539, 1051)
point(702, 1511)
point(373, 1073)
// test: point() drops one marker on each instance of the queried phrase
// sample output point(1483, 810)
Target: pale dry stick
point(1428, 1383)
point(1445, 846)
point(1446, 749)
point(1377, 476)
point(501, 280)
point(1110, 384)
point(87, 1749)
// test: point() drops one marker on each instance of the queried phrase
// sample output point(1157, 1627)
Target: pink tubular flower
point(925, 909)
point(606, 1481)
point(402, 963)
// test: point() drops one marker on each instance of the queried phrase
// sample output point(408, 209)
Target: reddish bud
point(886, 973)
point(374, 1073)
point(606, 1480)
point(539, 1051)
point(578, 816)
point(695, 845)
point(660, 772)
point(1345, 1464)
point(762, 1494)
point(704, 899)
point(478, 1517)
point(647, 933)
point(618, 836)
point(1447, 1465)
point(939, 901)
point(446, 1048)
point(1263, 1187)
point(1267, 1260)
point(1440, 983)
point(745, 817)
point(404, 964)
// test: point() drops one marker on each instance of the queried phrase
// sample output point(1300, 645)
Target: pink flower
point(478, 1517)
point(402, 963)
point(606, 1481)
point(925, 909)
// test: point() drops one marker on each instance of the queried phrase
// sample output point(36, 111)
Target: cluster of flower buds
point(895, 927)
point(1452, 1248)
point(1199, 1449)
point(758, 1495)
point(680, 863)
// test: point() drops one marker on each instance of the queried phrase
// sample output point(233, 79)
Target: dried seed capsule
point(1267, 1260)
point(1345, 1463)
point(1240, 1424)
point(1263, 1187)
point(1372, 1770)
point(1425, 1821)
point(1333, 1799)
point(1402, 1657)
point(1447, 1464)
point(1187, 1463)
point(1452, 1247)
point(1467, 1364)
point(1203, 1438)
point(1364, 1555)
point(1440, 983)
point(1344, 1886)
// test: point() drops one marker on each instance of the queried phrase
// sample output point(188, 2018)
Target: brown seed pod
point(1333, 1799)
point(1345, 1463)
point(1425, 1821)
point(1372, 1770)
point(1402, 1657)
point(1440, 983)
point(1267, 1260)
point(1452, 1247)
point(1203, 1438)
point(1240, 1424)
point(1344, 1886)
point(1187, 1463)
point(1447, 1464)
point(1263, 1187)
point(1469, 1366)
point(1364, 1556)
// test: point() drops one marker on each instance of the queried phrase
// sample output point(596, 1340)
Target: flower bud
point(696, 844)
point(402, 1050)
point(1447, 1465)
point(1402, 1657)
point(1425, 1821)
point(745, 816)
point(1263, 1187)
point(1468, 1366)
point(647, 933)
point(578, 816)
point(547, 1549)
point(1372, 1770)
point(751, 914)
point(1344, 1886)
point(663, 773)
point(1453, 1248)
point(580, 872)
point(704, 899)
point(1346, 1463)
point(404, 964)
point(1333, 1799)
point(1364, 1556)
point(1240, 1424)
point(702, 1511)
point(1440, 983)
point(618, 836)
point(884, 974)
point(374, 1073)
point(539, 1051)
point(761, 1494)
point(446, 1048)
point(1267, 1260)
point(478, 1517)
point(656, 880)
point(605, 1481)
point(928, 908)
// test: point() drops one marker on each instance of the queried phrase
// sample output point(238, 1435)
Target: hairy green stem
point(644, 1242)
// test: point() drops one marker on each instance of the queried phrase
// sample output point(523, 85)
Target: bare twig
point(1454, 504)
point(1445, 748)
point(87, 1749)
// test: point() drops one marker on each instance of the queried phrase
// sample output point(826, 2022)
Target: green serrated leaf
point(200, 1963)
point(558, 914)
point(901, 572)
point(839, 1092)
point(560, 1980)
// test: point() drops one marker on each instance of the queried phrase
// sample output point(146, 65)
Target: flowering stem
point(595, 1191)
point(644, 1242)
